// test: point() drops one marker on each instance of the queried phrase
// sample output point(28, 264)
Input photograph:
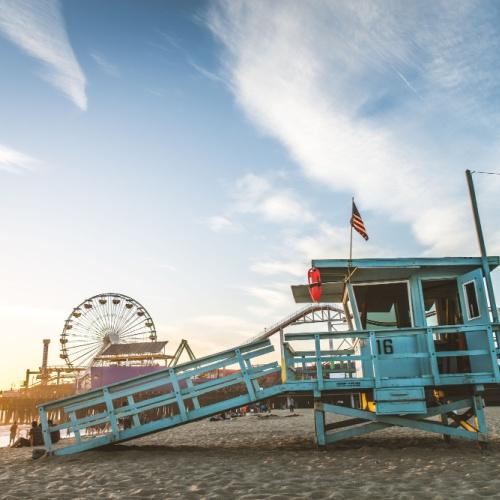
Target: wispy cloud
point(254, 194)
point(306, 72)
point(105, 65)
point(15, 162)
point(169, 44)
point(219, 223)
point(273, 266)
point(168, 267)
point(214, 77)
point(274, 296)
point(156, 92)
point(37, 27)
point(269, 302)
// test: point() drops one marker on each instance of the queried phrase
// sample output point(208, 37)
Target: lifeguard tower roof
point(335, 272)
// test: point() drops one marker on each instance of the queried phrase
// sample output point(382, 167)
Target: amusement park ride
point(419, 351)
point(108, 337)
point(102, 321)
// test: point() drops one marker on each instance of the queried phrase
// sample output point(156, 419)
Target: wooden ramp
point(161, 400)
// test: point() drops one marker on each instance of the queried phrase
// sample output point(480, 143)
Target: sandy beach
point(252, 457)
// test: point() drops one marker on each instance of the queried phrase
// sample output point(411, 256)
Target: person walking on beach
point(13, 433)
point(290, 403)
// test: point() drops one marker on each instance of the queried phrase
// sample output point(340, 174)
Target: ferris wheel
point(107, 318)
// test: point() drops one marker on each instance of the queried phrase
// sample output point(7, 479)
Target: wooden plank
point(312, 359)
point(493, 354)
point(432, 356)
point(359, 430)
point(131, 405)
point(47, 439)
point(374, 355)
point(429, 426)
point(472, 352)
point(74, 426)
point(194, 399)
point(115, 429)
point(319, 427)
point(244, 373)
point(178, 396)
point(319, 364)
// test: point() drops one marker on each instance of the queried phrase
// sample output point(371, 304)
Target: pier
point(21, 406)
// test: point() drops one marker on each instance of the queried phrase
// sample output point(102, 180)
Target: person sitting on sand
point(21, 443)
point(24, 441)
point(55, 436)
point(13, 433)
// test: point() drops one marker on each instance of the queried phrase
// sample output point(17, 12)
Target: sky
point(196, 155)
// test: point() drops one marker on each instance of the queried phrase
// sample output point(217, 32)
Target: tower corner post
point(482, 246)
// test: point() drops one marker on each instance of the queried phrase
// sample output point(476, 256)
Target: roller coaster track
point(310, 314)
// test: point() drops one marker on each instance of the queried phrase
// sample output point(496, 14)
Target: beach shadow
point(372, 444)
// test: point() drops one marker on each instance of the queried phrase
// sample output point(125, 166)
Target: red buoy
point(314, 279)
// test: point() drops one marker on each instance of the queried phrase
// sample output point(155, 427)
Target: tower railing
point(312, 369)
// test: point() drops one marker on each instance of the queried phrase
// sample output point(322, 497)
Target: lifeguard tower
point(422, 349)
point(425, 346)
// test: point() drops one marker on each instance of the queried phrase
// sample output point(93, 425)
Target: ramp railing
point(160, 400)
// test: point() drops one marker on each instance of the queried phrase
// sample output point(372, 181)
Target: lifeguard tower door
point(474, 307)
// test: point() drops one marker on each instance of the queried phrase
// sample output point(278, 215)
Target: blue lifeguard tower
point(424, 346)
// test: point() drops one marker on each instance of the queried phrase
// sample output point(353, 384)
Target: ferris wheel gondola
point(108, 318)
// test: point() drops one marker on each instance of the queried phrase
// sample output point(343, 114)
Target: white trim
point(467, 302)
point(354, 307)
point(347, 312)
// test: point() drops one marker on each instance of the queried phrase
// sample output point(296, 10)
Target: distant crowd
point(262, 407)
point(33, 437)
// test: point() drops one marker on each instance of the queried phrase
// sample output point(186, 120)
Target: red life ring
point(314, 279)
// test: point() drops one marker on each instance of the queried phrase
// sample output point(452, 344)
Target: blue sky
point(196, 155)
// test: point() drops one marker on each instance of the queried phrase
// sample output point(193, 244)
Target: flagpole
point(350, 242)
point(349, 262)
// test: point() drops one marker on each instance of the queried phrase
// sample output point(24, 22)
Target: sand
point(252, 457)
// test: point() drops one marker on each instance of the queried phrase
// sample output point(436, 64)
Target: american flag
point(357, 222)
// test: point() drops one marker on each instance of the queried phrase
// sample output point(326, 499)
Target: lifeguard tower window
point(472, 303)
point(442, 305)
point(383, 305)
